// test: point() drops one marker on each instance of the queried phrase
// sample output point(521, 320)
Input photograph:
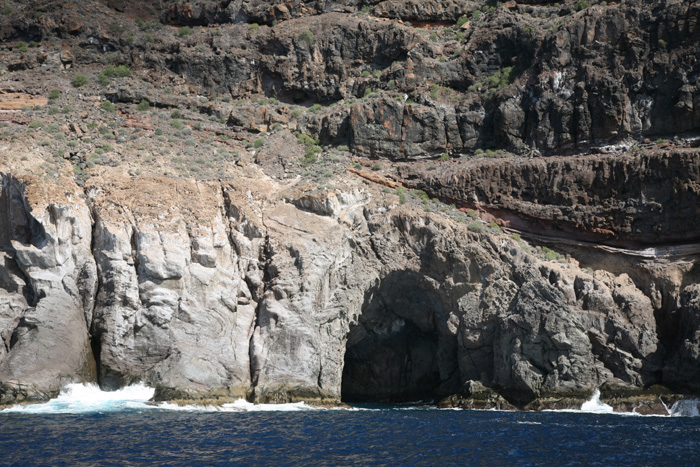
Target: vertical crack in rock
point(265, 260)
point(94, 333)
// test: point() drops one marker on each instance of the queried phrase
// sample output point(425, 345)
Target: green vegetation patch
point(80, 80)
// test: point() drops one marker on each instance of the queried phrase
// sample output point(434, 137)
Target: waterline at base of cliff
point(82, 398)
point(85, 426)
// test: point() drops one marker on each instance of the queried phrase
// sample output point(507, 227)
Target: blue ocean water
point(134, 434)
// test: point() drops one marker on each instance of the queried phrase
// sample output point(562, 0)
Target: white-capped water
point(595, 406)
point(85, 398)
point(685, 408)
point(89, 398)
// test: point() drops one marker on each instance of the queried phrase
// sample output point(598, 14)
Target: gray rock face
point(176, 309)
point(212, 291)
point(47, 287)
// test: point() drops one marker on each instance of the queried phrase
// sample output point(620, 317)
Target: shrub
point(366, 74)
point(143, 106)
point(80, 80)
point(461, 21)
point(175, 114)
point(54, 94)
point(53, 110)
point(495, 227)
point(434, 91)
point(309, 159)
point(377, 73)
point(377, 166)
point(22, 47)
point(116, 28)
point(143, 25)
point(7, 10)
point(315, 108)
point(175, 123)
point(433, 36)
point(401, 191)
point(306, 37)
point(258, 143)
point(444, 157)
point(306, 140)
point(581, 5)
point(66, 109)
point(475, 226)
point(422, 195)
point(129, 40)
point(159, 131)
point(500, 79)
point(253, 27)
point(663, 44)
point(121, 71)
point(35, 124)
point(184, 31)
point(108, 106)
point(549, 254)
point(52, 128)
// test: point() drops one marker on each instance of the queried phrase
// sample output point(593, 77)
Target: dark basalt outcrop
point(645, 198)
point(543, 77)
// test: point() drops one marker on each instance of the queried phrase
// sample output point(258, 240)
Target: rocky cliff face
point(218, 291)
point(229, 199)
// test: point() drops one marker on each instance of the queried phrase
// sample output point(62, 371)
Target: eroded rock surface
point(240, 289)
point(223, 251)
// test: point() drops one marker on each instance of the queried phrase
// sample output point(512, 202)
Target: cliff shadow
point(396, 353)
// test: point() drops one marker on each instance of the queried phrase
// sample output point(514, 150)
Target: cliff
point(487, 205)
point(252, 289)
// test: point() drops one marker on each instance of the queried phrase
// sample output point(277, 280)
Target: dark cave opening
point(395, 353)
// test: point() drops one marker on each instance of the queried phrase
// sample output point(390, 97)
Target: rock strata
point(351, 201)
point(218, 291)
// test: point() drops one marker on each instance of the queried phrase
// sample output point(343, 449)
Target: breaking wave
point(89, 398)
point(594, 405)
point(685, 408)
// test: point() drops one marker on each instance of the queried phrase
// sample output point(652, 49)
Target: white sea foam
point(685, 408)
point(85, 398)
point(594, 405)
point(89, 398)
point(241, 405)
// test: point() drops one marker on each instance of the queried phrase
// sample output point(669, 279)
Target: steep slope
point(229, 199)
